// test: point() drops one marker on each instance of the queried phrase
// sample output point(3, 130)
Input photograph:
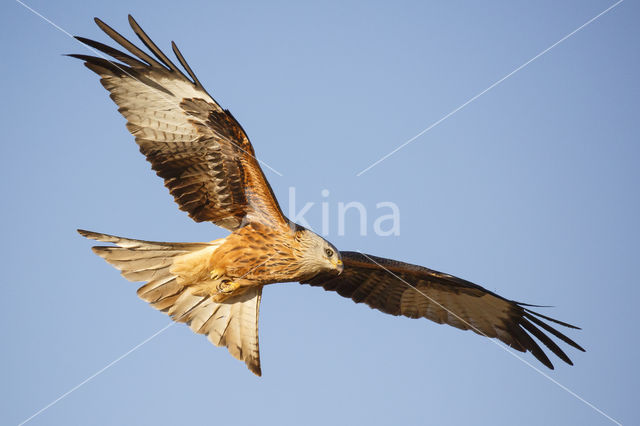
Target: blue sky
point(531, 191)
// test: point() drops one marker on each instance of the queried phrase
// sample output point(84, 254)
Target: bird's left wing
point(199, 149)
point(399, 288)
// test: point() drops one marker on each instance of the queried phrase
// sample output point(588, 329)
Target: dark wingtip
point(132, 21)
point(84, 40)
point(562, 323)
point(545, 340)
point(529, 315)
point(535, 306)
point(80, 39)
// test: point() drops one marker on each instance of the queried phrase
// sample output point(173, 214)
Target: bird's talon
point(227, 286)
point(224, 290)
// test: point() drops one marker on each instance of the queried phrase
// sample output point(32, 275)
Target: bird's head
point(317, 254)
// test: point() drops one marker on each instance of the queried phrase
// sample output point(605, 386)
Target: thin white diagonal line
point(115, 64)
point(496, 342)
point(44, 18)
point(97, 373)
point(488, 88)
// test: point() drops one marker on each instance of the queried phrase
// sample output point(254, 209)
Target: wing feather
point(413, 291)
point(199, 149)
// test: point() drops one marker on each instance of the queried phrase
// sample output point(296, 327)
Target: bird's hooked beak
point(339, 266)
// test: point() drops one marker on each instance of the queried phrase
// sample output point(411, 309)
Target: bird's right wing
point(199, 149)
point(399, 288)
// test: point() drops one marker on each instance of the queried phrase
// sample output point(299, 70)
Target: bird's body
point(197, 283)
point(254, 255)
point(210, 168)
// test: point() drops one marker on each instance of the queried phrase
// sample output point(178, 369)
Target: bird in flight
point(210, 168)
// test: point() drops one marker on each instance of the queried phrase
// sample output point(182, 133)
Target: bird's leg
point(224, 289)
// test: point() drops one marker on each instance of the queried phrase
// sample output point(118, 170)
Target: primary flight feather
point(210, 168)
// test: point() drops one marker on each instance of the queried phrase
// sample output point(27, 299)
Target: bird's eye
point(329, 252)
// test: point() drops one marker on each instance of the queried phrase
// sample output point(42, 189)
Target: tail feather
point(158, 289)
point(233, 323)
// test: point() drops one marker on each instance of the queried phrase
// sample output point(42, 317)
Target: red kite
point(210, 168)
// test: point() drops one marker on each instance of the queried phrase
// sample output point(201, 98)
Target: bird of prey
point(210, 168)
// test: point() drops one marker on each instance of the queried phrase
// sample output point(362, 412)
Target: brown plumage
point(210, 168)
point(399, 288)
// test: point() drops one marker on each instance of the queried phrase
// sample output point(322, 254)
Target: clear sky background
point(530, 191)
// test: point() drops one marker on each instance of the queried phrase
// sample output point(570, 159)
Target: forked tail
point(233, 323)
